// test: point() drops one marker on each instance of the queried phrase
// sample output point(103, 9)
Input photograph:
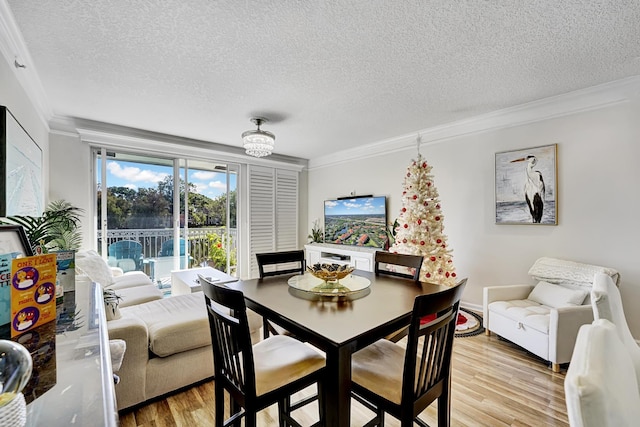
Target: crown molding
point(15, 52)
point(163, 145)
point(592, 98)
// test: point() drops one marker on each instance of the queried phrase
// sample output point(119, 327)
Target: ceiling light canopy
point(258, 143)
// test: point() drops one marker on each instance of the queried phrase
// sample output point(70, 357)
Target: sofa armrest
point(564, 323)
point(502, 293)
point(134, 331)
point(133, 371)
point(116, 271)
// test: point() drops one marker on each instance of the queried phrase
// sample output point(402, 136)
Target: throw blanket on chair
point(556, 271)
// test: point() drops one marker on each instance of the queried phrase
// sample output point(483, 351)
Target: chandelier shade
point(258, 143)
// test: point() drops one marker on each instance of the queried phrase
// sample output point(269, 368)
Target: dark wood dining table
point(339, 326)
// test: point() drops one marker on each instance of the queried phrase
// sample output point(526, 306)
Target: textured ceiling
point(330, 74)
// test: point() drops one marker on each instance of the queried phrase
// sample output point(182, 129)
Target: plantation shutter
point(273, 212)
point(286, 210)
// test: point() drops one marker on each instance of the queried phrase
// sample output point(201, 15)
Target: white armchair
point(544, 318)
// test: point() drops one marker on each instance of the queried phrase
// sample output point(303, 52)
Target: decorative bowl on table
point(330, 272)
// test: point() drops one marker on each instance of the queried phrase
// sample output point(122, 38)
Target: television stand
point(359, 257)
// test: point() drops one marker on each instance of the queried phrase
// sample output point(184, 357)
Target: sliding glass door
point(159, 214)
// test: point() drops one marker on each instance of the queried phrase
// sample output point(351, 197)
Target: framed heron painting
point(527, 186)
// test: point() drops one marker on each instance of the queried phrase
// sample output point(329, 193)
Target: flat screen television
point(357, 221)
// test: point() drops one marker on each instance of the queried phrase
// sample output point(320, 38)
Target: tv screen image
point(358, 221)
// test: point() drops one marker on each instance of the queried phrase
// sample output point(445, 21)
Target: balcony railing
point(198, 241)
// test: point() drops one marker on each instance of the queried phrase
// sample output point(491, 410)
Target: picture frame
point(526, 186)
point(21, 191)
point(14, 241)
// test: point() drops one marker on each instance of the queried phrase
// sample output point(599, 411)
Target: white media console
point(357, 256)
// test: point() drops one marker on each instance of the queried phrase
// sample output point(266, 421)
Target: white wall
point(14, 97)
point(598, 198)
point(72, 179)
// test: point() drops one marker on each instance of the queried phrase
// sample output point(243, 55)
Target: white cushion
point(366, 369)
point(556, 296)
point(524, 311)
point(138, 295)
point(174, 324)
point(92, 264)
point(117, 349)
point(130, 279)
point(599, 389)
point(281, 359)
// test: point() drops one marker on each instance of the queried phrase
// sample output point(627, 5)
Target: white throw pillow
point(92, 264)
point(556, 296)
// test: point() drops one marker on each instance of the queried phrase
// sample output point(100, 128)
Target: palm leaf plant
point(57, 229)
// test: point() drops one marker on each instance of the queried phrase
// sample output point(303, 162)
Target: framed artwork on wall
point(526, 186)
point(14, 241)
point(20, 169)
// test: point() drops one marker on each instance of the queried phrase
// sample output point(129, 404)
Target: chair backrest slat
point(280, 258)
point(400, 260)
point(230, 337)
point(429, 345)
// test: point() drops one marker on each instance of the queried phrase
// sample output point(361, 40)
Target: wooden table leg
point(337, 387)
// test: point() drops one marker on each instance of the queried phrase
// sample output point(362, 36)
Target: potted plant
point(111, 302)
point(316, 236)
point(391, 234)
point(57, 229)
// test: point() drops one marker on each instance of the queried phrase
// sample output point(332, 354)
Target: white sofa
point(168, 343)
point(544, 318)
point(134, 287)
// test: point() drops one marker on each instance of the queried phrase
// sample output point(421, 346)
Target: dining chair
point(255, 376)
point(387, 263)
point(411, 264)
point(166, 249)
point(280, 258)
point(387, 378)
point(127, 254)
point(294, 262)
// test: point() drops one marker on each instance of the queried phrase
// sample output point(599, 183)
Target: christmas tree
point(420, 225)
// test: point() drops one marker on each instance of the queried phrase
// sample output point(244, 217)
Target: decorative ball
point(15, 369)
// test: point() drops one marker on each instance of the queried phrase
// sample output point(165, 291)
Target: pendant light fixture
point(258, 143)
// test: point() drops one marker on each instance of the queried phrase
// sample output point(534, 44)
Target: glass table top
point(350, 285)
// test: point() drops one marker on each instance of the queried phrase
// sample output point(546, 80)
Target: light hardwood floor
point(494, 383)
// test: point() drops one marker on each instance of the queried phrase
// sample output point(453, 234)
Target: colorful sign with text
point(33, 287)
